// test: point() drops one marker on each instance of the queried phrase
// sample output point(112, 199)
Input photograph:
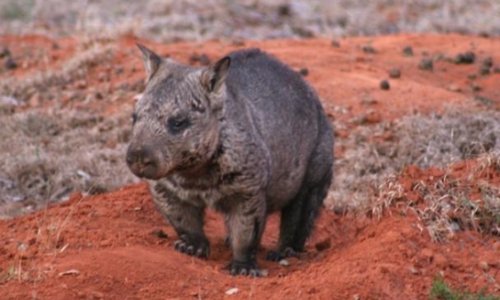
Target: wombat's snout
point(142, 161)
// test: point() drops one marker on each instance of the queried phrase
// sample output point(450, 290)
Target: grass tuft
point(441, 291)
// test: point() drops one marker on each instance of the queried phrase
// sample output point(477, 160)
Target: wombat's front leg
point(187, 220)
point(245, 224)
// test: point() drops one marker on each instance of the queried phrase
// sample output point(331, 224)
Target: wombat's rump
point(247, 137)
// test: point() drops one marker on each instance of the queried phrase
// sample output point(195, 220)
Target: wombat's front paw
point(279, 255)
point(248, 268)
point(198, 246)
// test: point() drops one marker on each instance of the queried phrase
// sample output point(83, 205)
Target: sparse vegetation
point(201, 20)
point(374, 153)
point(441, 291)
point(48, 155)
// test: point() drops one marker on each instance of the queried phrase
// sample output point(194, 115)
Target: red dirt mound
point(109, 246)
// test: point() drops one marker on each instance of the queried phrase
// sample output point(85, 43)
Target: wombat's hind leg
point(290, 217)
point(246, 224)
point(310, 210)
point(297, 219)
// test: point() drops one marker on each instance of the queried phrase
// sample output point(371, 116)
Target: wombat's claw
point(279, 255)
point(244, 268)
point(202, 251)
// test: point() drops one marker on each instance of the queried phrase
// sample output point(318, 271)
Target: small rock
point(119, 70)
point(284, 262)
point(465, 58)
point(335, 44)
point(394, 73)
point(408, 51)
point(81, 84)
point(487, 62)
point(201, 59)
point(159, 233)
point(232, 291)
point(484, 265)
point(323, 245)
point(10, 64)
point(371, 117)
point(284, 10)
point(454, 88)
point(427, 254)
point(384, 85)
point(475, 87)
point(105, 243)
point(4, 52)
point(368, 49)
point(472, 76)
point(69, 272)
point(414, 270)
point(238, 42)
point(496, 70)
point(304, 72)
point(484, 70)
point(426, 64)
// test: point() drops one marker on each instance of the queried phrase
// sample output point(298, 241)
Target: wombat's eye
point(134, 118)
point(178, 124)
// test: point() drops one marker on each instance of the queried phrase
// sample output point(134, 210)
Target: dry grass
point(45, 156)
point(375, 153)
point(47, 84)
point(453, 201)
point(169, 20)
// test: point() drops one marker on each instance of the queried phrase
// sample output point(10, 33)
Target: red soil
point(105, 246)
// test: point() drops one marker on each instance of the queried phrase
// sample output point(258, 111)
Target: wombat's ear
point(213, 77)
point(151, 61)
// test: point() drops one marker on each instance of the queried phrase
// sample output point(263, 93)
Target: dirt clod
point(4, 52)
point(10, 63)
point(465, 58)
point(395, 73)
point(159, 233)
point(201, 59)
point(304, 71)
point(323, 245)
point(426, 64)
point(369, 49)
point(408, 51)
point(484, 265)
point(384, 85)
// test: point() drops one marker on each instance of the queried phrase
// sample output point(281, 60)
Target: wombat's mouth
point(146, 171)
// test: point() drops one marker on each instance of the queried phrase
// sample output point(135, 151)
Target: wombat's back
point(286, 112)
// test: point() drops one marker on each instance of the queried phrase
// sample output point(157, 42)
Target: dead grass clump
point(45, 156)
point(45, 83)
point(373, 153)
point(466, 196)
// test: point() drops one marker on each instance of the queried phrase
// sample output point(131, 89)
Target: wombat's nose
point(142, 161)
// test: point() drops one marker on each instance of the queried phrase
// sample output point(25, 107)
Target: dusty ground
point(108, 246)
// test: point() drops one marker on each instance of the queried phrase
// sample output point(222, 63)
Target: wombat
point(246, 137)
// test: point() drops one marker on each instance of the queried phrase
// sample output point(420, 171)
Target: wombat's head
point(176, 121)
